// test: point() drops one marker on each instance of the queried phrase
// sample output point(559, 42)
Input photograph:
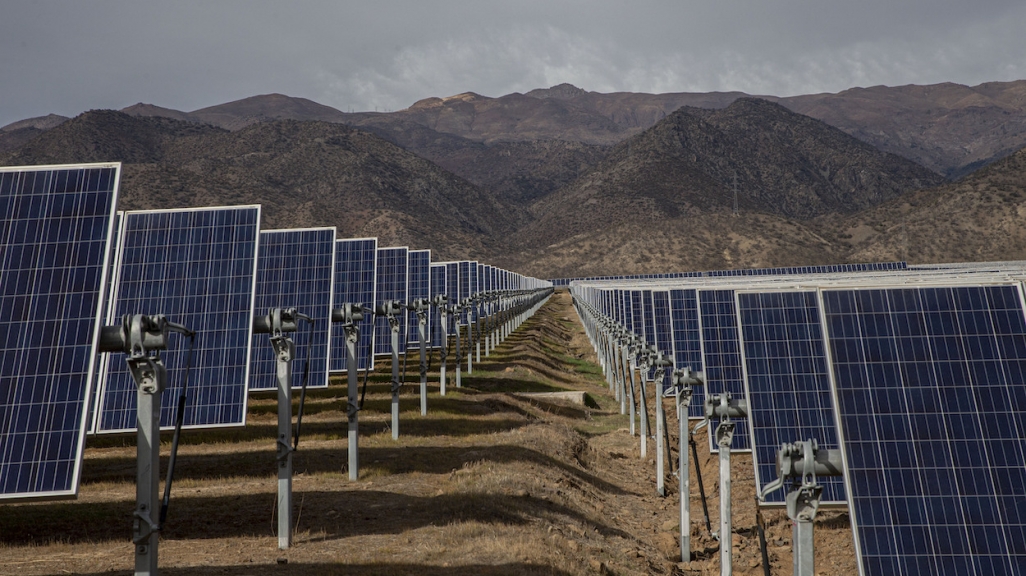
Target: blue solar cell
point(721, 356)
point(55, 235)
point(648, 317)
point(466, 288)
point(197, 267)
point(355, 282)
point(663, 331)
point(391, 285)
point(438, 286)
point(931, 402)
point(687, 343)
point(637, 315)
point(788, 382)
point(296, 269)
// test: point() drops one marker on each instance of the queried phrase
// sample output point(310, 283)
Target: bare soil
point(487, 483)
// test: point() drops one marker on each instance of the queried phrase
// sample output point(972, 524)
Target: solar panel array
point(55, 234)
point(197, 267)
point(296, 269)
point(355, 282)
point(923, 388)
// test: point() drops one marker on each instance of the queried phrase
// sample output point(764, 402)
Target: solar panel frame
point(392, 284)
point(904, 518)
point(296, 269)
point(355, 283)
point(787, 382)
point(166, 275)
point(42, 439)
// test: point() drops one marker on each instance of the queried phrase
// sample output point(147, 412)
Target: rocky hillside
point(784, 164)
point(304, 173)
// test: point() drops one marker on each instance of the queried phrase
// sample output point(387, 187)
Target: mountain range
point(561, 181)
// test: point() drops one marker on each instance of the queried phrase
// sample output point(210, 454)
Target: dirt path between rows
point(489, 482)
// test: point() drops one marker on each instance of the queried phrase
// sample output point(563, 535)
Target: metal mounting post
point(632, 368)
point(661, 364)
point(138, 336)
point(456, 312)
point(442, 303)
point(724, 407)
point(469, 306)
point(277, 323)
point(684, 381)
point(351, 315)
point(420, 307)
point(804, 461)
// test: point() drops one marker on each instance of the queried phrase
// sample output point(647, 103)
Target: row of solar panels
point(917, 373)
point(780, 270)
point(69, 263)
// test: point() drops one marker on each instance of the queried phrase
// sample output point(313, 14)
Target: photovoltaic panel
point(437, 287)
point(475, 277)
point(931, 398)
point(55, 234)
point(637, 315)
point(419, 286)
point(355, 282)
point(197, 267)
point(687, 345)
point(648, 318)
point(663, 331)
point(452, 282)
point(721, 356)
point(391, 285)
point(788, 382)
point(466, 288)
point(296, 269)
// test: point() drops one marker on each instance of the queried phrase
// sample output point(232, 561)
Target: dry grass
point(487, 483)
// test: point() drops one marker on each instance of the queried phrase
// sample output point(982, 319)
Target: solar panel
point(721, 356)
point(198, 267)
point(296, 269)
point(55, 234)
point(687, 344)
point(637, 315)
point(419, 270)
point(355, 281)
point(663, 331)
point(788, 383)
point(438, 286)
point(108, 297)
point(931, 402)
point(466, 289)
point(648, 318)
point(391, 285)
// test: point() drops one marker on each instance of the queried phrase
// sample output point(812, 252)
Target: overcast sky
point(68, 57)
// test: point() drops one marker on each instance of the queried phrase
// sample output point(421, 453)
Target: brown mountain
point(979, 218)
point(268, 107)
point(18, 133)
point(685, 166)
point(304, 174)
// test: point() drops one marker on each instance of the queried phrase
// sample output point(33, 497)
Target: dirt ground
point(487, 483)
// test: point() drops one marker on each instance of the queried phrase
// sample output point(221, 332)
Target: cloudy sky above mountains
point(68, 57)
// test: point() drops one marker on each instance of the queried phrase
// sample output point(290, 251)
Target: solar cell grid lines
point(721, 356)
point(931, 402)
point(687, 345)
point(296, 269)
point(452, 282)
point(392, 267)
point(55, 234)
point(419, 270)
point(787, 381)
point(197, 266)
point(355, 283)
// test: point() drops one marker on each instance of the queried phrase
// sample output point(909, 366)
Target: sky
point(71, 56)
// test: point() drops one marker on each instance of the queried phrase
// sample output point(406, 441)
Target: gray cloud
point(68, 57)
